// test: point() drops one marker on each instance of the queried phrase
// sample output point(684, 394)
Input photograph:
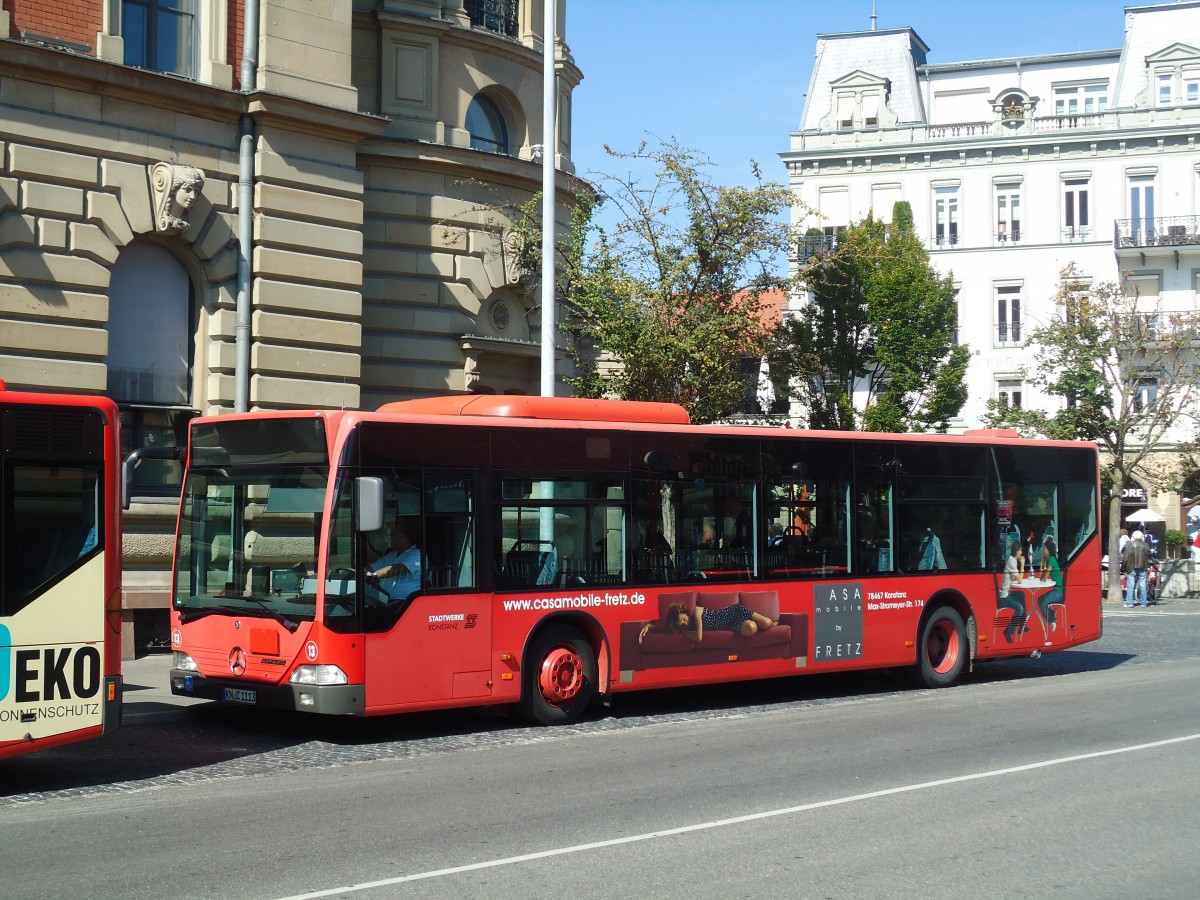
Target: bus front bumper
point(328, 699)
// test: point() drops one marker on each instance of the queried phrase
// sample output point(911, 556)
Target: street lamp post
point(549, 149)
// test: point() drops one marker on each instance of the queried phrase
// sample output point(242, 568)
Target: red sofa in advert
point(787, 640)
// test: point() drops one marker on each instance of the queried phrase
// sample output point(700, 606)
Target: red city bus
point(548, 553)
point(60, 570)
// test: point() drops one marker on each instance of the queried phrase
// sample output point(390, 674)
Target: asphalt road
point(1074, 775)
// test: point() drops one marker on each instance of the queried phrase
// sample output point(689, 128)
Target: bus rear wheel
point(942, 649)
point(559, 679)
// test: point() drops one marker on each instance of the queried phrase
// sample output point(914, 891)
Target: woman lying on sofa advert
point(736, 618)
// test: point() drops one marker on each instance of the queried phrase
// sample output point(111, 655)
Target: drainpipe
point(245, 301)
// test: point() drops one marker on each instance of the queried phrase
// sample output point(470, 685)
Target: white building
point(1014, 168)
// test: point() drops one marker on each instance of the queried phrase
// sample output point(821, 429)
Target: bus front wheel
point(942, 651)
point(559, 680)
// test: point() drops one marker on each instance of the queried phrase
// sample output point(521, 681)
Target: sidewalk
point(148, 691)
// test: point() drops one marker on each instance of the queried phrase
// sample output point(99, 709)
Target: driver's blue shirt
point(399, 587)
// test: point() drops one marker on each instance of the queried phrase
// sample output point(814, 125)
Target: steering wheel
point(342, 600)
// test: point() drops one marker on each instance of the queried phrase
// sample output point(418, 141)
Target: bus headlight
point(319, 675)
point(180, 660)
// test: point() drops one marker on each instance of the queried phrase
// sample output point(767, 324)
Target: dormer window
point(845, 112)
point(858, 100)
point(1172, 76)
point(870, 111)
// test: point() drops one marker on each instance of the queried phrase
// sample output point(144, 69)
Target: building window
point(486, 126)
point(945, 217)
point(957, 317)
point(870, 110)
point(833, 203)
point(1075, 100)
point(1076, 215)
point(845, 111)
point(500, 316)
point(1141, 209)
point(160, 35)
point(1008, 394)
point(1145, 292)
point(1164, 83)
point(151, 346)
point(1145, 394)
point(1008, 316)
point(499, 16)
point(1191, 85)
point(1008, 213)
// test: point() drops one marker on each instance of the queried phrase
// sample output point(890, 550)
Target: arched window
point(151, 345)
point(486, 126)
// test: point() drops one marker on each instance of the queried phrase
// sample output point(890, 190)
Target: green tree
point(875, 347)
point(667, 304)
point(1127, 377)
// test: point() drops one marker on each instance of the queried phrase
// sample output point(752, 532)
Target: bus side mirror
point(368, 503)
point(131, 464)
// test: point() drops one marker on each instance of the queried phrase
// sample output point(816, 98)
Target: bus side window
point(450, 531)
point(57, 508)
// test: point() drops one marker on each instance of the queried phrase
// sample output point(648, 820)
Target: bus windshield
point(251, 523)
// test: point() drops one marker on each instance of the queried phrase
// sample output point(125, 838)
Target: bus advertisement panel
point(60, 546)
point(548, 553)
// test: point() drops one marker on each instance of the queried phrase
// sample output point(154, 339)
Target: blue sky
point(730, 78)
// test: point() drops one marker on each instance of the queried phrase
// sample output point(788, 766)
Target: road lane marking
point(734, 820)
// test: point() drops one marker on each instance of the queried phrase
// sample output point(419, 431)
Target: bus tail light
point(319, 675)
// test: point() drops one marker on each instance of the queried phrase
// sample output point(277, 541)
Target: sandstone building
point(191, 228)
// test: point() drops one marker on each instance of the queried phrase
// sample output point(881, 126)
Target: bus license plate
point(239, 696)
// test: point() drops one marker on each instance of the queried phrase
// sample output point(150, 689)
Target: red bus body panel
point(466, 649)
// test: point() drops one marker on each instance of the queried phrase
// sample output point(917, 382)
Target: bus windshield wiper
point(187, 614)
point(286, 621)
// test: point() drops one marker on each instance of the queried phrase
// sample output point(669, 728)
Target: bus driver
point(399, 569)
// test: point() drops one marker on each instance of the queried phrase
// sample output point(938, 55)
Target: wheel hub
point(561, 677)
point(943, 649)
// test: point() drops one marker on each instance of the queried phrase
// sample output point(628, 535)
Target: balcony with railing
point(1008, 334)
point(814, 245)
point(1169, 232)
point(499, 16)
point(991, 131)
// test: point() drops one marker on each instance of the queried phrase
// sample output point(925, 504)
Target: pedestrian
point(1137, 561)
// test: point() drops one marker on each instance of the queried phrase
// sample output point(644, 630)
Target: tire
point(559, 678)
point(942, 649)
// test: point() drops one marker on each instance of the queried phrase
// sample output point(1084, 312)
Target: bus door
point(428, 630)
